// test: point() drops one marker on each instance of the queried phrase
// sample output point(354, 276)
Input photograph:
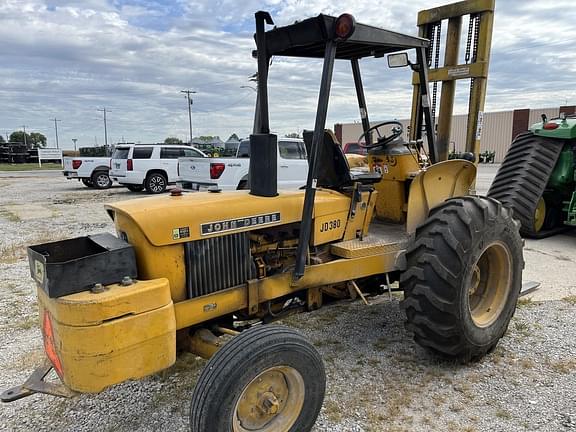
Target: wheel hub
point(271, 402)
point(540, 215)
point(475, 282)
point(490, 284)
point(268, 404)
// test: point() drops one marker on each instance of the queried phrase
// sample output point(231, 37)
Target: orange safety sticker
point(49, 346)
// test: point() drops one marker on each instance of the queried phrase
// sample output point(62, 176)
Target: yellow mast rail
point(456, 72)
point(481, 16)
point(455, 9)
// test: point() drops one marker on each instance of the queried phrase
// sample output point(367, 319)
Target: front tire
point(267, 379)
point(101, 180)
point(463, 277)
point(156, 183)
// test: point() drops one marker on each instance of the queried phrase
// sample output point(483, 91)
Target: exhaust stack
point(263, 172)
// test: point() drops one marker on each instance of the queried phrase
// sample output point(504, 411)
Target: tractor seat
point(366, 178)
point(333, 169)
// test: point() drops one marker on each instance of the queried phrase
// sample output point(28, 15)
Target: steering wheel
point(382, 140)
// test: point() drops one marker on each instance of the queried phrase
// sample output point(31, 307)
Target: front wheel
point(463, 278)
point(156, 183)
point(101, 180)
point(267, 379)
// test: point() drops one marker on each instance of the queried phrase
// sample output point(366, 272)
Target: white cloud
point(65, 58)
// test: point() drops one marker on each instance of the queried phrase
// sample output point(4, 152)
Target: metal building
point(498, 131)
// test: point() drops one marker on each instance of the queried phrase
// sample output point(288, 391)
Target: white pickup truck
point(232, 173)
point(92, 171)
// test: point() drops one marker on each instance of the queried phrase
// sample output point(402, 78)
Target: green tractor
point(538, 177)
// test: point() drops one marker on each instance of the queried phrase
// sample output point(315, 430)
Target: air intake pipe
point(263, 174)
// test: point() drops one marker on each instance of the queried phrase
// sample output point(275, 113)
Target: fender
point(435, 185)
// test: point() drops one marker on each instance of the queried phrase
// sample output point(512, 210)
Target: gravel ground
point(378, 379)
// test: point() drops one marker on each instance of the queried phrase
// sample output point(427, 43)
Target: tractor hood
point(556, 128)
point(175, 219)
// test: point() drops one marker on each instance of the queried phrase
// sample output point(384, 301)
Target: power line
point(205, 84)
point(233, 104)
point(538, 45)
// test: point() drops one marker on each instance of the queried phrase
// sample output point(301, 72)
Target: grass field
point(29, 167)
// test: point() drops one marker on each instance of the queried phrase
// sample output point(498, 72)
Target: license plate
point(117, 165)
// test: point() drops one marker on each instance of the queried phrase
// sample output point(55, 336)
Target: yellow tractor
point(208, 272)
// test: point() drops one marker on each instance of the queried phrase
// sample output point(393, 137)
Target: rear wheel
point(87, 182)
point(267, 379)
point(540, 215)
point(101, 180)
point(135, 188)
point(156, 183)
point(463, 277)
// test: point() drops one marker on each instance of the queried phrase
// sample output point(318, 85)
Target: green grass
point(29, 167)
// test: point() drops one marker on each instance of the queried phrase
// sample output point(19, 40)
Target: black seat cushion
point(333, 169)
point(367, 178)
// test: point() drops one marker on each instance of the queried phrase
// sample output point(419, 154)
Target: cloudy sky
point(65, 59)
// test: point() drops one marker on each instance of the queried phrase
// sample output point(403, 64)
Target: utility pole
point(74, 141)
point(55, 120)
point(25, 144)
point(256, 110)
point(104, 110)
point(188, 93)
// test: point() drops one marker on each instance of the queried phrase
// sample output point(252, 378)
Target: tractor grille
point(217, 263)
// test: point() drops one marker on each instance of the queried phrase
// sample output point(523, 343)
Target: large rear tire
point(463, 277)
point(267, 379)
point(521, 181)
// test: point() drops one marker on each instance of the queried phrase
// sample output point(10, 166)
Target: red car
point(353, 147)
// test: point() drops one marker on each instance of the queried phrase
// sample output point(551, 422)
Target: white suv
point(139, 166)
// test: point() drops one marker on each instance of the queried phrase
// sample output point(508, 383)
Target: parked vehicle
point(149, 166)
point(232, 173)
point(91, 171)
point(354, 148)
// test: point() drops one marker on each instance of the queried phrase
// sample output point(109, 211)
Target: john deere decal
point(240, 223)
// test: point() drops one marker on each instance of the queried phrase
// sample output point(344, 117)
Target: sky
point(66, 59)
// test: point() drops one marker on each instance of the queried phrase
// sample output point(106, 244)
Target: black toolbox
point(74, 265)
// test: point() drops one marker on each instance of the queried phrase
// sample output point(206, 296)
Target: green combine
point(538, 178)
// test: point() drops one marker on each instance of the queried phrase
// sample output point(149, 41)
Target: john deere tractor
point(208, 272)
point(538, 178)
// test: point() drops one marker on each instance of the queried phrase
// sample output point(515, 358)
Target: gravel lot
point(378, 379)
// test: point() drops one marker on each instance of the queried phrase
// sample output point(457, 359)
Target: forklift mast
point(474, 67)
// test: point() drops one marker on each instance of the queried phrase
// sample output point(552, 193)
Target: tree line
point(32, 139)
point(210, 138)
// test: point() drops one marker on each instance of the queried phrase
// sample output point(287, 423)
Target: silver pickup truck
point(91, 171)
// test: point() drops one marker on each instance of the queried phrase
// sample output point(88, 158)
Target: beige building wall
point(352, 131)
point(536, 114)
point(496, 133)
